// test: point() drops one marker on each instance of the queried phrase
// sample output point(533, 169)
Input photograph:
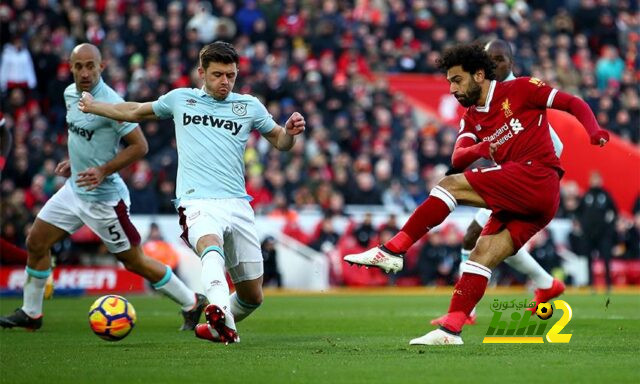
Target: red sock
point(466, 294)
point(399, 243)
point(430, 213)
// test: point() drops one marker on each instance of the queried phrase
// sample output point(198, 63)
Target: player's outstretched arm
point(283, 138)
point(137, 147)
point(578, 108)
point(127, 111)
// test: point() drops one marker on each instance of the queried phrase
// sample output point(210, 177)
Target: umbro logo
point(191, 102)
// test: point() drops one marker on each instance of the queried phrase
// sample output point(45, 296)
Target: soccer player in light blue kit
point(94, 195)
point(212, 126)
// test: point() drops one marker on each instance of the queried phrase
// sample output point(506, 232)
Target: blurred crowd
point(362, 144)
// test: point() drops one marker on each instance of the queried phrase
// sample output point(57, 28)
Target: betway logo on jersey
point(210, 121)
point(505, 132)
point(87, 134)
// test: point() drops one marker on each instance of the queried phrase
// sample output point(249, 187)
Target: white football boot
point(377, 257)
point(437, 337)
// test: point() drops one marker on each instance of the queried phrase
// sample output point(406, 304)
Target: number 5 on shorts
point(115, 235)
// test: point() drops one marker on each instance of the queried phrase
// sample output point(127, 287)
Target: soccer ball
point(112, 317)
point(544, 310)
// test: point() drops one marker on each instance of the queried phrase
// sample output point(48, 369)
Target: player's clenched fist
point(600, 138)
point(295, 125)
point(85, 102)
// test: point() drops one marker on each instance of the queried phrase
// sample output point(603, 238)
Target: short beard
point(472, 96)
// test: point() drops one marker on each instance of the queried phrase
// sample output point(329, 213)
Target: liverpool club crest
point(506, 108)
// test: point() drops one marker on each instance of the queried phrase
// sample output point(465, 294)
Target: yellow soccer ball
point(112, 317)
point(544, 310)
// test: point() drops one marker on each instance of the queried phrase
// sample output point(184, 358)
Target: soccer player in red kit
point(507, 123)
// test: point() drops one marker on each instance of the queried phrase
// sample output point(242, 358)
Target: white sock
point(33, 291)
point(475, 268)
point(176, 290)
point(524, 263)
point(214, 282)
point(240, 309)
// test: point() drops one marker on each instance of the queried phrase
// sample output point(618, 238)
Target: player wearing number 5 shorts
point(95, 195)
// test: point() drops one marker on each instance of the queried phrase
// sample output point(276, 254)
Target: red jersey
point(514, 117)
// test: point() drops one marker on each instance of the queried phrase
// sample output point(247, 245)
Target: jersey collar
point(510, 77)
point(94, 91)
point(203, 93)
point(487, 102)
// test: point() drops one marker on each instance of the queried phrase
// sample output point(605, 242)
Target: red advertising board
point(90, 280)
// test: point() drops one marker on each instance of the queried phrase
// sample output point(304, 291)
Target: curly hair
point(470, 56)
point(218, 52)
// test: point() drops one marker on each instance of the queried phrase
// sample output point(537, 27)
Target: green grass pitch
point(351, 337)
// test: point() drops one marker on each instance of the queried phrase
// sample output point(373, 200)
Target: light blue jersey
point(555, 139)
point(212, 136)
point(93, 141)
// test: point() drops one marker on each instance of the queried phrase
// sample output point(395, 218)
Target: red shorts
point(523, 198)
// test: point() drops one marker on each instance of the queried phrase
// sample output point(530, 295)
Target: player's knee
point(481, 252)
point(132, 262)
point(448, 183)
point(257, 297)
point(254, 297)
point(454, 185)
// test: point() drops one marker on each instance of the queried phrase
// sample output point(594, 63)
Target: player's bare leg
point(164, 280)
point(450, 191)
point(547, 287)
point(220, 326)
point(39, 242)
point(136, 261)
point(490, 251)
